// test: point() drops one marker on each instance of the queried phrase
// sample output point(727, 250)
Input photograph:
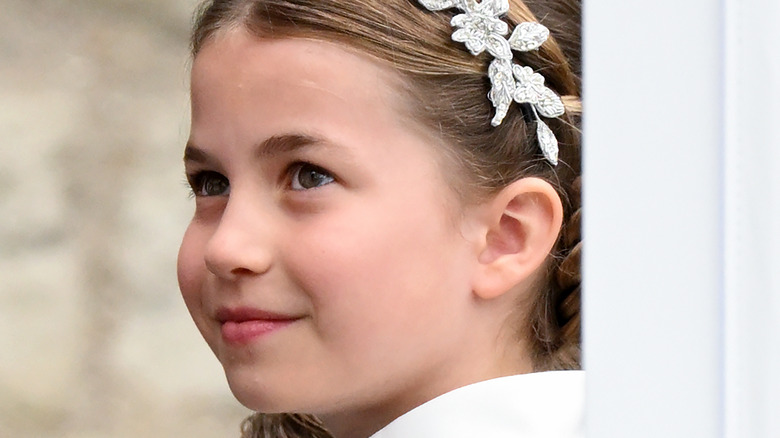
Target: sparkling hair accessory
point(481, 28)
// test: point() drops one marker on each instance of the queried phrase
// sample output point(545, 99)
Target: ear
point(519, 227)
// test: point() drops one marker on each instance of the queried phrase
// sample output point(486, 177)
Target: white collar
point(537, 405)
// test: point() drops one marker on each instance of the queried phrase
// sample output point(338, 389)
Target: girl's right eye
point(208, 183)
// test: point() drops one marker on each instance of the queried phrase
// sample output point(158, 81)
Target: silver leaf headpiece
point(481, 28)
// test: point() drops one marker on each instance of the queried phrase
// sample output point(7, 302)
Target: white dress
point(537, 405)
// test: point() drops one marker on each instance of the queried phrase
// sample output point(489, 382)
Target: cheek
point(373, 275)
point(191, 269)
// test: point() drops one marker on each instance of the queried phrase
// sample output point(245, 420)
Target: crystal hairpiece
point(481, 28)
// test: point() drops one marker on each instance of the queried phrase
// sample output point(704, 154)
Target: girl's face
point(325, 264)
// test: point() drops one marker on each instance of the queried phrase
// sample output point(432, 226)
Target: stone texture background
point(94, 338)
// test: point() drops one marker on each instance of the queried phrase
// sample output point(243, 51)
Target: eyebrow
point(282, 144)
point(268, 148)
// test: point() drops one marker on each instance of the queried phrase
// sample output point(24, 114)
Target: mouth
point(240, 326)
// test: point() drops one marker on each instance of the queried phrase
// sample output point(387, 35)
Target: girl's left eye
point(307, 176)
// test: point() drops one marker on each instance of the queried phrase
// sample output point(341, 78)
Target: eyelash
point(294, 174)
point(199, 181)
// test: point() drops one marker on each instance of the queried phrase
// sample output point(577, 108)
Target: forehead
point(246, 89)
point(237, 76)
point(237, 66)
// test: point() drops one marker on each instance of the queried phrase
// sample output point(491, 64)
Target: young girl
point(386, 234)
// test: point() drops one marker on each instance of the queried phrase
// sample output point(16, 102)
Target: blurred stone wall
point(94, 338)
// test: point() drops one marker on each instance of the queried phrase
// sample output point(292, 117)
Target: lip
point(240, 326)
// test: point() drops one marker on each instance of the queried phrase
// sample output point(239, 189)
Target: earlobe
point(521, 227)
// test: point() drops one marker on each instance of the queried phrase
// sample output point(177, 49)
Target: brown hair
point(448, 87)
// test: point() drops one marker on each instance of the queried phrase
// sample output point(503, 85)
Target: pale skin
point(321, 206)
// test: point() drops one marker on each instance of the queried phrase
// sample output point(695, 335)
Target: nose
point(241, 245)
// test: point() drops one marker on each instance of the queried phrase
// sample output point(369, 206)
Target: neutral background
point(94, 338)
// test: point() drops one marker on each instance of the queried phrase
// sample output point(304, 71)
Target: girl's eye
point(307, 176)
point(209, 184)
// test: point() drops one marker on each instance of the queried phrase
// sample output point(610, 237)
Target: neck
point(366, 421)
point(484, 353)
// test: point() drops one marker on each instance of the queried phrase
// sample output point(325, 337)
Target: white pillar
point(752, 225)
point(653, 230)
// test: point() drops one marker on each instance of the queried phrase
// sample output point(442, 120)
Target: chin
point(274, 395)
point(251, 391)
